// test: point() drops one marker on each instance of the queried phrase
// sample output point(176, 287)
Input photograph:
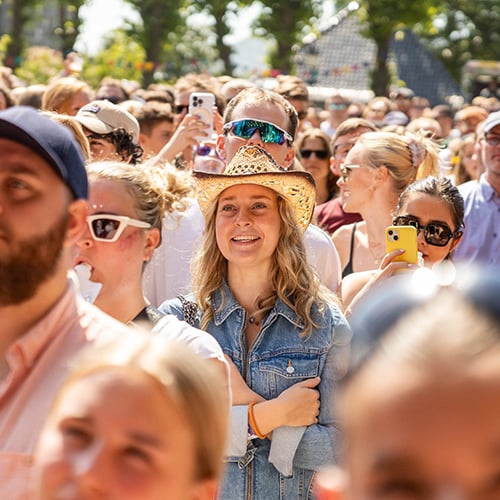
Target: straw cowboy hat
point(253, 165)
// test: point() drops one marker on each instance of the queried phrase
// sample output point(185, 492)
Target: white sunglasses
point(107, 227)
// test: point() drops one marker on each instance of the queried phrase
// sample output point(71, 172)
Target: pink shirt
point(39, 362)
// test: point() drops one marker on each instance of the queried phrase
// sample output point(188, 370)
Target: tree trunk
point(224, 50)
point(380, 75)
point(15, 48)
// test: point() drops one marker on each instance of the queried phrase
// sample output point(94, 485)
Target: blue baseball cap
point(49, 140)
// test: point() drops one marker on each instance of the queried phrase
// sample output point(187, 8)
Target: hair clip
point(417, 153)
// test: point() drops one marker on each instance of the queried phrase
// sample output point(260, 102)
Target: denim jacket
point(282, 468)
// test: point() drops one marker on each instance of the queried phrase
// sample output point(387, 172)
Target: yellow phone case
point(404, 237)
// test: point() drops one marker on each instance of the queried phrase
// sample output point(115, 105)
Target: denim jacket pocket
point(287, 369)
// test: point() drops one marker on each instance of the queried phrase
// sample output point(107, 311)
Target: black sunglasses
point(437, 234)
point(321, 154)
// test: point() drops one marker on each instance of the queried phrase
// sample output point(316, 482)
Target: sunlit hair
point(316, 133)
point(291, 279)
point(155, 189)
point(76, 129)
point(394, 152)
point(259, 95)
point(418, 341)
point(349, 127)
point(194, 82)
point(440, 188)
point(59, 94)
point(151, 114)
point(194, 384)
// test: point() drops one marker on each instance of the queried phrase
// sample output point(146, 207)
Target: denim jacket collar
point(223, 295)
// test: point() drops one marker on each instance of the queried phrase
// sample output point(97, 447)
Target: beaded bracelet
point(253, 425)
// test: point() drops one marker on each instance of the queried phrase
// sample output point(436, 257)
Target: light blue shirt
point(481, 240)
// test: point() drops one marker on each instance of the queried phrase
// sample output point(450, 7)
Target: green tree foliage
point(159, 18)
point(465, 30)
point(121, 58)
point(68, 23)
point(189, 50)
point(220, 11)
point(285, 23)
point(39, 65)
point(381, 18)
point(20, 12)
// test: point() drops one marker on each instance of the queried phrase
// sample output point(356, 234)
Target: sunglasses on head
point(437, 234)
point(106, 227)
point(269, 132)
point(321, 154)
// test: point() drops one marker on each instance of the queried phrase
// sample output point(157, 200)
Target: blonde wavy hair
point(60, 92)
point(407, 157)
point(156, 189)
point(291, 278)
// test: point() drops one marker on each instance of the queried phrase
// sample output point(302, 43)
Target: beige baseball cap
point(102, 117)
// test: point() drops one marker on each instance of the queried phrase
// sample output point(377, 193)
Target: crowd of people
point(200, 314)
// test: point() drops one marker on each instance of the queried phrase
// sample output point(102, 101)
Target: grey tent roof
point(342, 58)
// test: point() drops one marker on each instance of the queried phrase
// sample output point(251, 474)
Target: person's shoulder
point(172, 307)
point(314, 233)
point(96, 324)
point(468, 188)
point(173, 329)
point(344, 233)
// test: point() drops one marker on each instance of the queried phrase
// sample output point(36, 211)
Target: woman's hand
point(241, 393)
point(296, 406)
point(356, 285)
point(300, 403)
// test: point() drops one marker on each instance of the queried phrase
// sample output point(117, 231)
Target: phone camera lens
point(396, 237)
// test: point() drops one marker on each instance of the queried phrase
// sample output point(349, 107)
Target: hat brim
point(94, 124)
point(296, 187)
point(490, 126)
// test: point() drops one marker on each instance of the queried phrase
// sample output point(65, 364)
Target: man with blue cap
point(44, 321)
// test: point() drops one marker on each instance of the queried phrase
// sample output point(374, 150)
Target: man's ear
point(143, 140)
point(220, 146)
point(77, 219)
point(290, 155)
point(333, 167)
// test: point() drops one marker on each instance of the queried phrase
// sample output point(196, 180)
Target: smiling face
point(133, 247)
point(97, 445)
point(356, 192)
point(427, 208)
point(248, 226)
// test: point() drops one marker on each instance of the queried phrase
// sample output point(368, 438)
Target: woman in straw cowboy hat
point(283, 332)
